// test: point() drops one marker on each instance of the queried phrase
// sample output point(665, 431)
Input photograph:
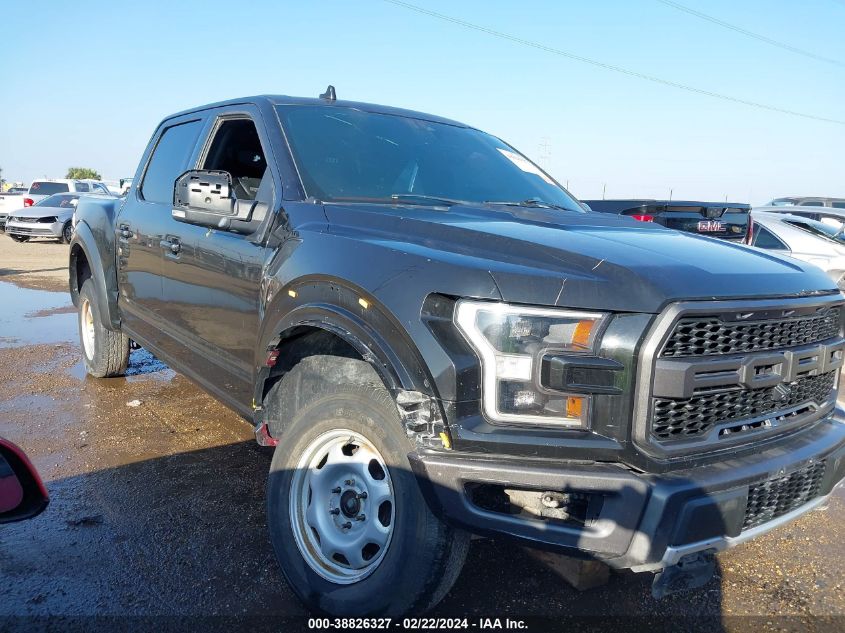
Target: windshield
point(345, 154)
point(62, 200)
point(47, 188)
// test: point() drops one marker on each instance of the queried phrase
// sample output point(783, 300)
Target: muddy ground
point(157, 505)
point(40, 264)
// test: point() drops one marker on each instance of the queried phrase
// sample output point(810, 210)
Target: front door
point(212, 278)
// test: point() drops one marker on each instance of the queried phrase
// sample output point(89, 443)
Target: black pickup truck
point(725, 220)
point(439, 340)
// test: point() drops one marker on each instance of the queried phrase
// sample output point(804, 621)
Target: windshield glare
point(345, 154)
point(58, 200)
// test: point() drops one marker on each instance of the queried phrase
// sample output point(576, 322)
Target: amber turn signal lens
point(581, 336)
point(574, 406)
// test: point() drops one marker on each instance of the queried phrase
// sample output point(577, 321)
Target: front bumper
point(35, 229)
point(643, 521)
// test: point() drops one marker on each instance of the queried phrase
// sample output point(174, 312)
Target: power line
point(756, 36)
point(618, 69)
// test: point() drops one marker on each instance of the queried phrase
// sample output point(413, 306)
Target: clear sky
point(85, 83)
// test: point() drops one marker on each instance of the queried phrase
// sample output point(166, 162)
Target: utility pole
point(544, 150)
point(603, 190)
point(1, 179)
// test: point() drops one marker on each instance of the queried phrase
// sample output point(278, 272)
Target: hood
point(43, 212)
point(589, 260)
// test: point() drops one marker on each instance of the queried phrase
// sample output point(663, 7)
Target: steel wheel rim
point(86, 328)
point(342, 506)
point(67, 233)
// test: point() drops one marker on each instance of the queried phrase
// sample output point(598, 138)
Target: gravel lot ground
point(41, 264)
point(158, 509)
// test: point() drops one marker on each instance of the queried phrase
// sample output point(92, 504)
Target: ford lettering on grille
point(680, 378)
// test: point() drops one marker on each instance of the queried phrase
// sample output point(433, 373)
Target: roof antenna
point(329, 94)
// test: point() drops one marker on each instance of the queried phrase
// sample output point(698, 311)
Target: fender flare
point(395, 359)
point(397, 363)
point(105, 293)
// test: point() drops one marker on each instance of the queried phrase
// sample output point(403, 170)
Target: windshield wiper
point(419, 197)
point(535, 203)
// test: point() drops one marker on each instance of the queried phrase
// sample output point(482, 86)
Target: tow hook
point(691, 572)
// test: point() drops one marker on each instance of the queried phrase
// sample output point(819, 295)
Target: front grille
point(25, 230)
point(706, 336)
point(689, 418)
point(774, 498)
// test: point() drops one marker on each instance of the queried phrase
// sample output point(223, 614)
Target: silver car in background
point(827, 215)
point(50, 218)
point(818, 242)
point(808, 201)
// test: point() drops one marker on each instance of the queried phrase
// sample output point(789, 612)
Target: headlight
point(511, 341)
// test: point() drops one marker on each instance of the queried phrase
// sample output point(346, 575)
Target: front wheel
point(20, 238)
point(105, 353)
point(348, 522)
point(67, 233)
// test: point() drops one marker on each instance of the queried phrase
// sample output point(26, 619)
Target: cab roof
point(274, 100)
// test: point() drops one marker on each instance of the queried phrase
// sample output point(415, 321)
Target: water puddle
point(141, 362)
point(30, 317)
point(33, 317)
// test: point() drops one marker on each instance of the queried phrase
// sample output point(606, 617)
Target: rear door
point(212, 278)
point(142, 223)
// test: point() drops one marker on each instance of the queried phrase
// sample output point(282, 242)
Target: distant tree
point(82, 173)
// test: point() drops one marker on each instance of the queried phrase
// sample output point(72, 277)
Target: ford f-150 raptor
point(440, 341)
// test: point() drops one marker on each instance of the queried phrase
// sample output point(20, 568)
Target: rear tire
point(20, 238)
point(104, 353)
point(406, 571)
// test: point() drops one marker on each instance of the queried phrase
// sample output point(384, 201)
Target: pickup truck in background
point(40, 189)
point(438, 340)
point(725, 220)
point(9, 201)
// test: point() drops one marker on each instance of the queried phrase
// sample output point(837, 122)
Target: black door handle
point(173, 245)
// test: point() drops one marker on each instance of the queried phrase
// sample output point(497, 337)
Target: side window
point(237, 149)
point(838, 205)
point(764, 238)
point(82, 186)
point(168, 161)
point(99, 188)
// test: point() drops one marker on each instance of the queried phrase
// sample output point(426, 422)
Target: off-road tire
point(110, 354)
point(20, 238)
point(424, 556)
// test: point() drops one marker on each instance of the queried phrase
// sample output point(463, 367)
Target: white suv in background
point(40, 189)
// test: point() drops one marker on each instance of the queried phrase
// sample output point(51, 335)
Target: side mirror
point(22, 494)
point(205, 197)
